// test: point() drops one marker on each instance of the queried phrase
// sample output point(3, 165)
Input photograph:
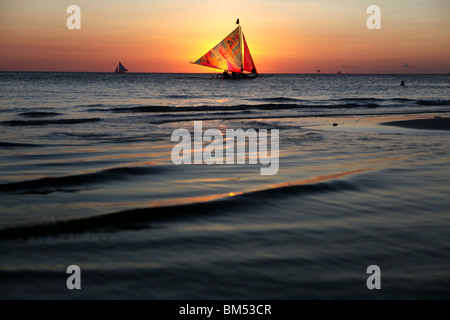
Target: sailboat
point(231, 55)
point(120, 68)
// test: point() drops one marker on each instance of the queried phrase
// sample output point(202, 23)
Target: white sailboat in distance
point(120, 68)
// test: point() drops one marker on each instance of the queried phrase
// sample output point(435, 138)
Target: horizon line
point(265, 73)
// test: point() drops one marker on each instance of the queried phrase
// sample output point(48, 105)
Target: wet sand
point(424, 124)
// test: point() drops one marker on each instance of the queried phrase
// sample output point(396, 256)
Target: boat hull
point(239, 76)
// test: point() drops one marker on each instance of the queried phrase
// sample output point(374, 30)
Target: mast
point(241, 45)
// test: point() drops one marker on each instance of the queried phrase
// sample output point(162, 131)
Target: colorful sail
point(226, 55)
point(249, 65)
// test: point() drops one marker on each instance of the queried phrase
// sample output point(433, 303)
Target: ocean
point(87, 179)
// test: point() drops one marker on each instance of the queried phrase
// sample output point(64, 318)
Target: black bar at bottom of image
point(204, 309)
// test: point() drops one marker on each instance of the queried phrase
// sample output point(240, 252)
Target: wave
point(241, 107)
point(106, 138)
point(402, 99)
point(48, 191)
point(433, 102)
point(37, 114)
point(356, 105)
point(180, 96)
point(15, 123)
point(166, 109)
point(359, 99)
point(17, 145)
point(143, 217)
point(66, 183)
point(333, 101)
point(278, 103)
point(313, 114)
point(286, 103)
point(95, 105)
point(278, 99)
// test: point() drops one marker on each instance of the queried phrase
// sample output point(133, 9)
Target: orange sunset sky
point(284, 36)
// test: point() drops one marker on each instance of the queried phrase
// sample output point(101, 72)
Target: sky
point(284, 36)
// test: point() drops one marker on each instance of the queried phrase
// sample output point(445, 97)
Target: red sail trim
point(249, 65)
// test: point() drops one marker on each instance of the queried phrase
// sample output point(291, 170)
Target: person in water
point(402, 84)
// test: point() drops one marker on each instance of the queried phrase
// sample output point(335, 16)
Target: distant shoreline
point(422, 124)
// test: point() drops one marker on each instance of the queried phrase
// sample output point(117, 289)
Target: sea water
point(87, 179)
